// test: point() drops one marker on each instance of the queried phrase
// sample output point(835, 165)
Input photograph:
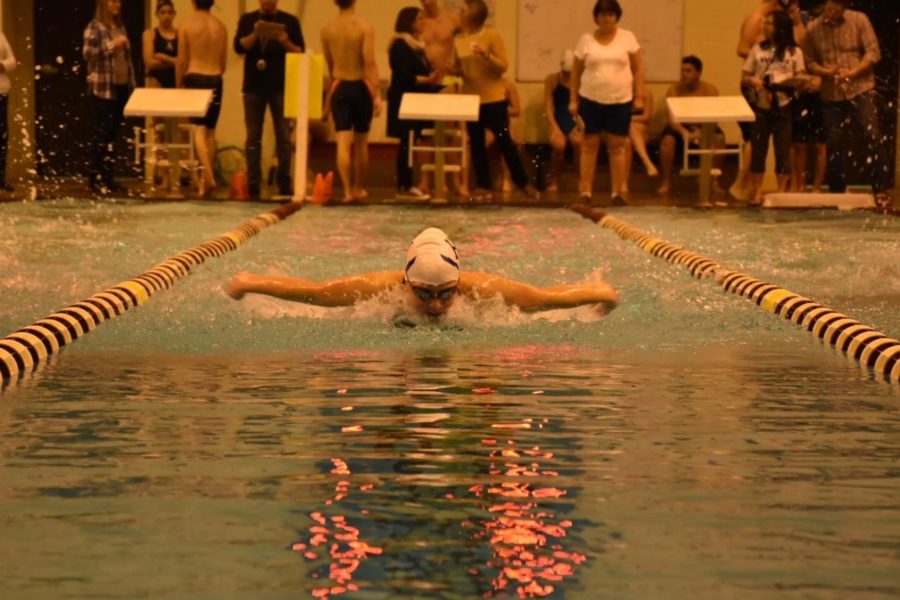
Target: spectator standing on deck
point(809, 125)
point(263, 38)
point(561, 123)
point(7, 65)
point(751, 34)
point(202, 54)
point(482, 61)
point(349, 46)
point(843, 51)
point(768, 70)
point(160, 47)
point(607, 84)
point(410, 72)
point(110, 75)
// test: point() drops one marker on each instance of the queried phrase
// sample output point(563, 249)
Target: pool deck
point(643, 194)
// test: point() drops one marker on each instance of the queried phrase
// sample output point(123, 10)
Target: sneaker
point(619, 200)
point(412, 193)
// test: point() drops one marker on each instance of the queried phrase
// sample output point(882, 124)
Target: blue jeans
point(842, 119)
point(254, 117)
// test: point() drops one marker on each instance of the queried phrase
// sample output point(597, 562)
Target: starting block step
point(839, 201)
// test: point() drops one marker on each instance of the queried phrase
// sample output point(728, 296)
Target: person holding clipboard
point(264, 37)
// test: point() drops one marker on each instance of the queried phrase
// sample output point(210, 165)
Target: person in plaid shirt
point(107, 52)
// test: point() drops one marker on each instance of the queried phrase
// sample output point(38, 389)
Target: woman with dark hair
point(482, 61)
point(107, 53)
point(607, 87)
point(773, 69)
point(410, 72)
point(160, 46)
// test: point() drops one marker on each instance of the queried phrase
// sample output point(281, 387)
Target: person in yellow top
point(481, 60)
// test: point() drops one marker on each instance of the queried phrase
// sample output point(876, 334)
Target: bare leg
point(617, 146)
point(589, 149)
point(638, 136)
point(666, 163)
point(360, 164)
point(756, 180)
point(205, 143)
point(743, 181)
point(344, 146)
point(821, 165)
point(557, 156)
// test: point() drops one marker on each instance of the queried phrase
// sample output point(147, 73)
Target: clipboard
point(269, 29)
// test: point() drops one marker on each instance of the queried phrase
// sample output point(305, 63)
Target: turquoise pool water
point(687, 445)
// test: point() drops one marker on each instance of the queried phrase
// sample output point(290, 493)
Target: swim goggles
point(425, 294)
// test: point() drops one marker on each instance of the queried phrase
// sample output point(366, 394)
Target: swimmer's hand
point(237, 286)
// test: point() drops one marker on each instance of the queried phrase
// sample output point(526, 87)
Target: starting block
point(854, 201)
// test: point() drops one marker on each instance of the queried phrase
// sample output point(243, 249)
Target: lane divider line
point(870, 348)
point(24, 349)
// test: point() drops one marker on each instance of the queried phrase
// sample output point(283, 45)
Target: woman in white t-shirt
point(607, 84)
point(773, 68)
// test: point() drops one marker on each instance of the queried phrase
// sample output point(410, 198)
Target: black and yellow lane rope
point(871, 348)
point(23, 350)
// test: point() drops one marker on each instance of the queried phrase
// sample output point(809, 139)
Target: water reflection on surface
point(523, 471)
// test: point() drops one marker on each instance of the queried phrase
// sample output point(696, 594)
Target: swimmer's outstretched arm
point(334, 292)
point(529, 298)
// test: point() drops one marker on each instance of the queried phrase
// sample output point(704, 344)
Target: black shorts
point(195, 81)
point(352, 107)
point(611, 118)
point(809, 124)
point(679, 140)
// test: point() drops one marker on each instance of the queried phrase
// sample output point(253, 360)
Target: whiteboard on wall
point(546, 29)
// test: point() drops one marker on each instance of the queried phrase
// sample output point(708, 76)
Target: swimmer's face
point(689, 74)
point(432, 301)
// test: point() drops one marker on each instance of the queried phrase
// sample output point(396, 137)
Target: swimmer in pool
point(432, 281)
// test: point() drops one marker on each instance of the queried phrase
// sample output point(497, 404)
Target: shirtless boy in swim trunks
point(202, 53)
point(431, 279)
point(441, 26)
point(349, 46)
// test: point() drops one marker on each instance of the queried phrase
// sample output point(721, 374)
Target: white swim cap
point(567, 61)
point(432, 259)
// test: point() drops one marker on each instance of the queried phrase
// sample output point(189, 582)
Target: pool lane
point(23, 350)
point(870, 348)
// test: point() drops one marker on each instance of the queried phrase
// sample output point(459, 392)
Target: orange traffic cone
point(239, 189)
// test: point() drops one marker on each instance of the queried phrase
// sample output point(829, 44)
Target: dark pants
point(842, 120)
point(4, 136)
point(107, 116)
point(495, 116)
point(404, 171)
point(778, 124)
point(254, 117)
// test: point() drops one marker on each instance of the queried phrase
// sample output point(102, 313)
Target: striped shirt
point(101, 60)
point(843, 45)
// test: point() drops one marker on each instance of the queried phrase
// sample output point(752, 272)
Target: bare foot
point(663, 190)
point(651, 170)
point(207, 188)
point(553, 186)
point(738, 193)
point(359, 194)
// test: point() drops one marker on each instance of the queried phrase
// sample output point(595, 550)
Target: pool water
point(687, 445)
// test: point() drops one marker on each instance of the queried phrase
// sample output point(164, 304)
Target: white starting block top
point(168, 102)
point(839, 201)
point(710, 109)
point(439, 107)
